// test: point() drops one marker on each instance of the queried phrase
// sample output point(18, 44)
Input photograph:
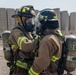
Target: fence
point(67, 21)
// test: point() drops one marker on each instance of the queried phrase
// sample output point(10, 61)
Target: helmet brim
point(52, 19)
point(15, 16)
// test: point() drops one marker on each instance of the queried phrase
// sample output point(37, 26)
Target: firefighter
point(50, 46)
point(22, 43)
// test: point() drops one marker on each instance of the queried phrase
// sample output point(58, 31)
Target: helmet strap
point(23, 25)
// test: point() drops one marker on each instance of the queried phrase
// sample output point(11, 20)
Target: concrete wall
point(10, 21)
point(57, 11)
point(67, 21)
point(3, 20)
point(72, 24)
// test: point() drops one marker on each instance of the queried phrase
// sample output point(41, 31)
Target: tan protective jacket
point(44, 64)
point(23, 41)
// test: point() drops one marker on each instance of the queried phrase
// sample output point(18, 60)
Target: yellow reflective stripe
point(36, 37)
point(20, 40)
point(22, 64)
point(12, 67)
point(60, 33)
point(55, 17)
point(12, 46)
point(54, 58)
point(41, 16)
point(23, 10)
point(32, 72)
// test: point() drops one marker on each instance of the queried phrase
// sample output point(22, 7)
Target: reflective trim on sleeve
point(54, 58)
point(22, 64)
point(32, 72)
point(20, 40)
point(12, 46)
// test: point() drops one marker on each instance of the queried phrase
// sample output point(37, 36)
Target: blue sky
point(69, 5)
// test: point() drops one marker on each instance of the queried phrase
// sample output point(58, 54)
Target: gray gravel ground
point(3, 67)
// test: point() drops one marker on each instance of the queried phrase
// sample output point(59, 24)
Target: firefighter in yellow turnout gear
point(23, 44)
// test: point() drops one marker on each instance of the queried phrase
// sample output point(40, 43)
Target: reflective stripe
point(32, 72)
point(60, 33)
point(55, 17)
point(54, 58)
point(24, 10)
point(36, 36)
point(12, 46)
point(20, 40)
point(22, 64)
point(12, 67)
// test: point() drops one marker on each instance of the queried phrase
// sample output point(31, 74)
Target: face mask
point(39, 30)
point(29, 24)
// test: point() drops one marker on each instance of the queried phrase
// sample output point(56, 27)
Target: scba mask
point(38, 25)
point(29, 24)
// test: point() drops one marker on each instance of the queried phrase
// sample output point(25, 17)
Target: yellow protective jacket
point(22, 41)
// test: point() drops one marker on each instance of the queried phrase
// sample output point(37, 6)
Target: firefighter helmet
point(27, 11)
point(26, 15)
point(47, 18)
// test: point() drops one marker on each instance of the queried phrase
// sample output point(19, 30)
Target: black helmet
point(47, 18)
point(28, 13)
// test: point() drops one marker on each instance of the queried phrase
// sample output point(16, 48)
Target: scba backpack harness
point(8, 53)
point(68, 58)
point(7, 49)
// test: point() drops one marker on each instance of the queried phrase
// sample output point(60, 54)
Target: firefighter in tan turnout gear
point(50, 45)
point(23, 44)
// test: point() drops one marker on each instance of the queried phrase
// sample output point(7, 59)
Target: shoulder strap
point(52, 37)
point(17, 51)
point(20, 30)
point(55, 33)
